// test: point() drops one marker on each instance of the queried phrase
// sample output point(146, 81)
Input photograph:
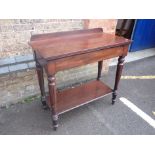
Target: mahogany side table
point(64, 50)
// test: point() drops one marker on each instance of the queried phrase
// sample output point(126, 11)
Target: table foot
point(44, 104)
point(45, 107)
point(114, 94)
point(55, 122)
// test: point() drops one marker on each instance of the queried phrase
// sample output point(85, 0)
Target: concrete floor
point(98, 117)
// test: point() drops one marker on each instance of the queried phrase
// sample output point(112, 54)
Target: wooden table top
point(62, 44)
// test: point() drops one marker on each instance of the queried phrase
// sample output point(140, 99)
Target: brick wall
point(17, 74)
point(109, 26)
point(15, 33)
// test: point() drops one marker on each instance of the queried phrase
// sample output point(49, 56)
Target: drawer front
point(83, 59)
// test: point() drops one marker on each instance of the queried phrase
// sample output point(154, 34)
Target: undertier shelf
point(71, 98)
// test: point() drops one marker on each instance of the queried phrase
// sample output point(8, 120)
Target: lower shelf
point(74, 97)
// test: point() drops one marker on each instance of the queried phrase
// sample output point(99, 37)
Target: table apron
point(84, 59)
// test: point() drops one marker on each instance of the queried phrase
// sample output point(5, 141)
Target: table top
point(57, 45)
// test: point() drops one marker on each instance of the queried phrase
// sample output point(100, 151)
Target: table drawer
point(83, 59)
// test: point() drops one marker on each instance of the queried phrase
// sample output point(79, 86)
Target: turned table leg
point(100, 63)
point(117, 77)
point(53, 100)
point(41, 84)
